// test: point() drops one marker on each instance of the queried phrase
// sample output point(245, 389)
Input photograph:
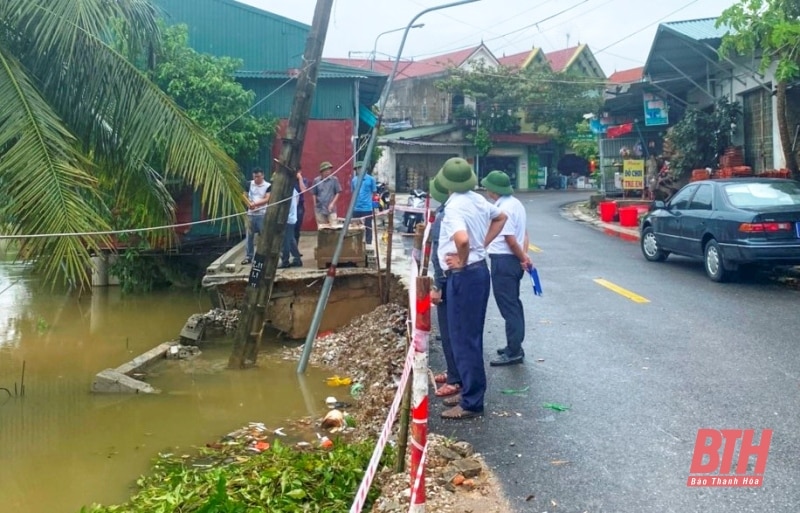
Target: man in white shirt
point(469, 224)
point(509, 260)
point(257, 198)
point(289, 247)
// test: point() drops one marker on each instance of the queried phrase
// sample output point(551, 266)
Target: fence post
point(419, 411)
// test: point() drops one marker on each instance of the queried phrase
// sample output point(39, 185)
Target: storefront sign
point(632, 174)
point(655, 110)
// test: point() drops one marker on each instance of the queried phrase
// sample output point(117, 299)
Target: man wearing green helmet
point(509, 260)
point(470, 223)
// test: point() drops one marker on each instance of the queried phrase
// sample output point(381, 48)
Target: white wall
point(384, 170)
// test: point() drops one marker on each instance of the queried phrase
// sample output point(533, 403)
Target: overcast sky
point(619, 32)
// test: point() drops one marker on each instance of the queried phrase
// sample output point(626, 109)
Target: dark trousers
point(366, 217)
point(289, 246)
point(301, 212)
point(506, 276)
point(467, 299)
point(453, 377)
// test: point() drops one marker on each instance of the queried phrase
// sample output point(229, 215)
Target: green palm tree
point(83, 132)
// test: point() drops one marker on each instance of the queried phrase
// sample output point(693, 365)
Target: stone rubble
point(370, 351)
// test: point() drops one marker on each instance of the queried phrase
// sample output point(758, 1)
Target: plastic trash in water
point(356, 390)
point(337, 381)
point(537, 285)
point(556, 406)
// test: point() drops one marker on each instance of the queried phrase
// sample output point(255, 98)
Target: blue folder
point(537, 285)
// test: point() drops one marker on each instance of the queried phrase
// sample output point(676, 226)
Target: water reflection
point(61, 447)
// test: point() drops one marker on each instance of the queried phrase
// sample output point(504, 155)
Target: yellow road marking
point(535, 249)
point(636, 298)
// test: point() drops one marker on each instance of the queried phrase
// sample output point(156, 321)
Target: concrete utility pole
point(265, 263)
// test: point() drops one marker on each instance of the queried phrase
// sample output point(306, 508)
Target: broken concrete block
point(468, 466)
point(193, 329)
point(110, 381)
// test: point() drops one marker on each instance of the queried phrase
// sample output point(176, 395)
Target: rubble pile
point(219, 320)
point(370, 352)
point(366, 359)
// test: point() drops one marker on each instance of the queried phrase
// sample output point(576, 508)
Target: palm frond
point(87, 80)
point(44, 172)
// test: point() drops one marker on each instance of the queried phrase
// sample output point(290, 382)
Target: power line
point(526, 27)
point(646, 27)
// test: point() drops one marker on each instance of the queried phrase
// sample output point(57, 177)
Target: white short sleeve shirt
point(515, 225)
point(470, 212)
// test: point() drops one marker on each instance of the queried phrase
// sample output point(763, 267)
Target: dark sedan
point(729, 224)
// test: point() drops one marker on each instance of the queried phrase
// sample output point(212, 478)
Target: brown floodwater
point(62, 447)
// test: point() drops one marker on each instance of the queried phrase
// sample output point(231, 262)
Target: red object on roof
point(560, 58)
point(619, 130)
point(516, 60)
point(627, 76)
point(521, 138)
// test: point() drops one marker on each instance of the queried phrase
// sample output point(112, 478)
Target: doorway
point(508, 165)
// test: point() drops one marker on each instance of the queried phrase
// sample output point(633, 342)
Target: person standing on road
point(326, 191)
point(509, 260)
point(363, 207)
point(470, 222)
point(451, 379)
point(289, 246)
point(257, 199)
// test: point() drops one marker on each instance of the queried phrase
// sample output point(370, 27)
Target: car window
point(750, 195)
point(681, 199)
point(702, 198)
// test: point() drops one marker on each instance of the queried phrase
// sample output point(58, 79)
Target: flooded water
point(62, 447)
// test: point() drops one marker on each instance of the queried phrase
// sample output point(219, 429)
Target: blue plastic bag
point(537, 285)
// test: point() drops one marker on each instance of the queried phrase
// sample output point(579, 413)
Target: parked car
point(730, 224)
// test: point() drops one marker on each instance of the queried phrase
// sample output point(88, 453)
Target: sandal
point(447, 390)
point(459, 413)
point(453, 400)
point(440, 378)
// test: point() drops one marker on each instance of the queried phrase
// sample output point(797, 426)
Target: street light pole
point(375, 46)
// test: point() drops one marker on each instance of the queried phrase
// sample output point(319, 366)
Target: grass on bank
point(280, 480)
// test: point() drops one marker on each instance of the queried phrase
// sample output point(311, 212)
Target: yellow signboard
point(632, 174)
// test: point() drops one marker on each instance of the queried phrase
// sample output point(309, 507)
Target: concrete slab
point(111, 381)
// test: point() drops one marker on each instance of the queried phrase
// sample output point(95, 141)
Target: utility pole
point(265, 263)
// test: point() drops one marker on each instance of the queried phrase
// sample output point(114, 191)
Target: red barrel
point(629, 216)
point(607, 211)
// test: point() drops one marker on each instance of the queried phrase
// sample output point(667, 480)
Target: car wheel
point(650, 248)
point(715, 268)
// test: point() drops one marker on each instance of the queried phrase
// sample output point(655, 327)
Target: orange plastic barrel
point(607, 211)
point(629, 216)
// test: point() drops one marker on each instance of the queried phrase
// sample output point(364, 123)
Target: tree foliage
point(701, 136)
point(770, 30)
point(551, 102)
point(77, 117)
point(203, 85)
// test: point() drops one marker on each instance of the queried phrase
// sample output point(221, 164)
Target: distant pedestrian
point(451, 380)
point(301, 208)
point(257, 197)
point(289, 247)
point(363, 207)
point(508, 254)
point(470, 222)
point(327, 190)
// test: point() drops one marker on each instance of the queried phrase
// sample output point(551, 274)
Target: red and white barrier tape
point(418, 478)
point(369, 475)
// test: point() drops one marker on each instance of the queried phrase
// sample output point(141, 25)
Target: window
point(702, 198)
point(681, 200)
point(753, 195)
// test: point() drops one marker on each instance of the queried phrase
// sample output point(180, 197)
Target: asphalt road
point(640, 379)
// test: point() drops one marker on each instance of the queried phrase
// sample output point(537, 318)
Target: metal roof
point(700, 30)
point(419, 132)
point(682, 52)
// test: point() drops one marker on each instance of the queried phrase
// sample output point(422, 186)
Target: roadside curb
point(574, 211)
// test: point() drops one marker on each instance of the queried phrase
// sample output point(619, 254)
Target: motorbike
point(412, 219)
point(380, 198)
